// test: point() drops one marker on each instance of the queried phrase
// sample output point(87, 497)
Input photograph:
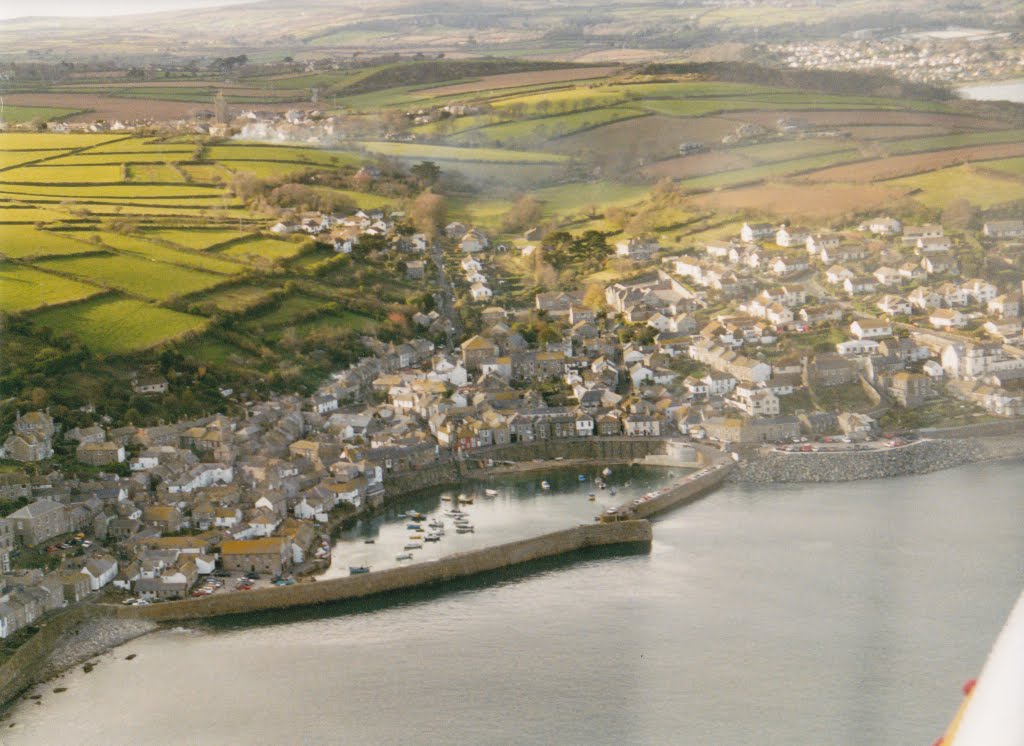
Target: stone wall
point(459, 565)
point(26, 666)
point(684, 494)
point(842, 466)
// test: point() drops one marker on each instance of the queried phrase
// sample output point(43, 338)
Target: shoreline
point(104, 630)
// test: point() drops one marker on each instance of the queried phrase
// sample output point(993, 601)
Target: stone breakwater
point(921, 457)
point(91, 638)
point(461, 565)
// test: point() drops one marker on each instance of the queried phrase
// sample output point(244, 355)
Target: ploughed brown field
point(805, 202)
point(651, 136)
point(862, 117)
point(702, 164)
point(99, 106)
point(514, 80)
point(895, 166)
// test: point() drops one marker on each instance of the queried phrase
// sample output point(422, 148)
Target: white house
point(947, 318)
point(751, 232)
point(894, 305)
point(871, 329)
point(837, 274)
point(479, 291)
point(100, 572)
point(857, 347)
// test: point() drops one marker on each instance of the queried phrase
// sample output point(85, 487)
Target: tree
point(428, 213)
point(426, 172)
point(524, 213)
point(593, 297)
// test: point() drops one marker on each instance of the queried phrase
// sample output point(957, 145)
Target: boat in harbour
point(591, 497)
point(405, 556)
point(607, 472)
point(464, 530)
point(413, 545)
point(369, 541)
point(545, 485)
point(613, 491)
point(358, 569)
point(432, 537)
point(582, 478)
point(490, 492)
point(446, 498)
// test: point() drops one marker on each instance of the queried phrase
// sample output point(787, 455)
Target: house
point(751, 232)
point(473, 241)
point(870, 329)
point(859, 284)
point(755, 401)
point(641, 425)
point(1004, 229)
point(476, 351)
point(782, 265)
point(913, 233)
point(857, 426)
point(637, 248)
point(837, 274)
point(894, 305)
point(150, 385)
point(939, 263)
point(947, 318)
point(857, 347)
point(268, 555)
point(100, 454)
point(480, 292)
point(787, 236)
point(1007, 306)
point(909, 389)
point(167, 518)
point(100, 571)
point(882, 226)
point(816, 242)
point(415, 270)
point(887, 276)
point(39, 521)
point(979, 291)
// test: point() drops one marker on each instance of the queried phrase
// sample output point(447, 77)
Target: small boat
point(436, 524)
point(415, 537)
point(490, 493)
point(545, 485)
point(591, 497)
point(431, 537)
point(627, 484)
point(582, 478)
point(358, 569)
point(613, 491)
point(607, 472)
point(413, 545)
point(599, 483)
point(405, 556)
point(466, 501)
point(446, 498)
point(413, 526)
point(464, 530)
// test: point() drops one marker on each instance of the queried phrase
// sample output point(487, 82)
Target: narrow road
point(446, 298)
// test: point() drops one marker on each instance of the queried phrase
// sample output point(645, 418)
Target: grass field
point(1009, 166)
point(149, 173)
point(444, 153)
point(939, 188)
point(539, 130)
point(18, 114)
point(263, 251)
point(24, 241)
point(247, 151)
point(171, 256)
point(121, 192)
point(196, 238)
point(24, 288)
point(136, 276)
point(117, 325)
point(48, 141)
point(286, 312)
point(9, 159)
point(906, 165)
point(570, 199)
point(238, 297)
point(47, 174)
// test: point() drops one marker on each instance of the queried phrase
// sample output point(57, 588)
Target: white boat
point(490, 493)
point(413, 545)
point(607, 472)
point(545, 485)
point(405, 556)
point(464, 530)
point(446, 498)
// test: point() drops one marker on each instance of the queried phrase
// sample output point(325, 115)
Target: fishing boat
point(413, 545)
point(599, 483)
point(413, 526)
point(436, 523)
point(607, 472)
point(591, 497)
point(446, 498)
point(582, 478)
point(464, 530)
point(369, 541)
point(405, 556)
point(466, 500)
point(545, 485)
point(432, 537)
point(358, 569)
point(490, 493)
point(415, 537)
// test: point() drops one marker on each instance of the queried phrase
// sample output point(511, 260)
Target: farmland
point(154, 245)
point(117, 326)
point(25, 288)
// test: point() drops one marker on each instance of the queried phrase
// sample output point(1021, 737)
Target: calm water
point(1006, 90)
point(837, 614)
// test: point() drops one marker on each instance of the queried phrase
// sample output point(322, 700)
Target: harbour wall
point(460, 565)
point(679, 493)
point(599, 450)
point(921, 457)
point(30, 661)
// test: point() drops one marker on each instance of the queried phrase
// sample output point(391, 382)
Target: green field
point(248, 151)
point(263, 251)
point(9, 159)
point(171, 256)
point(945, 142)
point(238, 297)
point(118, 326)
point(196, 238)
point(48, 141)
point(24, 288)
point(1010, 166)
point(47, 174)
point(286, 312)
point(149, 173)
point(136, 276)
point(939, 188)
point(538, 130)
point(444, 153)
point(24, 241)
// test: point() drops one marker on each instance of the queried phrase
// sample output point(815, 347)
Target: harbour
point(761, 613)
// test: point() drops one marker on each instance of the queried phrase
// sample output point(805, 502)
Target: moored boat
point(413, 545)
point(405, 556)
point(582, 478)
point(545, 485)
point(607, 472)
point(464, 530)
point(358, 569)
point(490, 492)
point(369, 541)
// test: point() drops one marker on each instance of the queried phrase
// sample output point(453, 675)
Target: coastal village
point(783, 337)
